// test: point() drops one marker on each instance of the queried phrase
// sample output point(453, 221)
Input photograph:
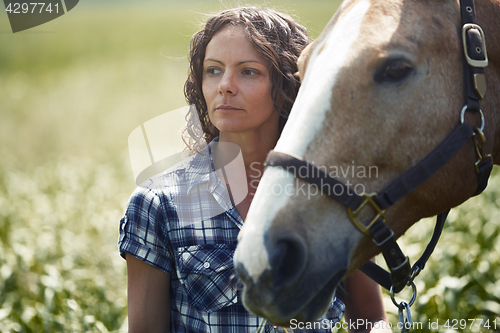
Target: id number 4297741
point(32, 8)
point(461, 324)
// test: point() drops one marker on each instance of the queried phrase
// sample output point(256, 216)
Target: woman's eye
point(393, 71)
point(212, 71)
point(250, 72)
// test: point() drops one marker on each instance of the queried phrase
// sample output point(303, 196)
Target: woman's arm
point(148, 297)
point(364, 305)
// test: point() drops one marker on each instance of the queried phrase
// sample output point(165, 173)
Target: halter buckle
point(470, 61)
point(354, 218)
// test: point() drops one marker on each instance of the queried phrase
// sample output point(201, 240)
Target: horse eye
point(392, 71)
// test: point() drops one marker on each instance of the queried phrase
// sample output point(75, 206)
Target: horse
point(382, 87)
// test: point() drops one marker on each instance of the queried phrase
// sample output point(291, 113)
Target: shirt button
point(206, 264)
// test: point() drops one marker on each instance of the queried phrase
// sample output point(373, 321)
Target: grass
point(59, 269)
point(71, 91)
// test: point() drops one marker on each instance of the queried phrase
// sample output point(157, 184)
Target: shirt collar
point(200, 169)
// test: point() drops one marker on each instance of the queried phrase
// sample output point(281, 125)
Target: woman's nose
point(227, 85)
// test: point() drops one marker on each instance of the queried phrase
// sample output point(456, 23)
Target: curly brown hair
point(275, 35)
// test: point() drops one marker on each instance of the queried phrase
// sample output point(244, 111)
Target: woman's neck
point(254, 149)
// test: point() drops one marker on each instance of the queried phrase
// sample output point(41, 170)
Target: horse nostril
point(288, 260)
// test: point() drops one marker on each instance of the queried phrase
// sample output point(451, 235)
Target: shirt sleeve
point(142, 230)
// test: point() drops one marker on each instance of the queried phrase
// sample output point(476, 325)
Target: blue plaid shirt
point(184, 223)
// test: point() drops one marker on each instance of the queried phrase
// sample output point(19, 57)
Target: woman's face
point(236, 84)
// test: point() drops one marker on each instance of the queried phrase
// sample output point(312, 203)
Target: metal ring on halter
point(462, 116)
point(413, 296)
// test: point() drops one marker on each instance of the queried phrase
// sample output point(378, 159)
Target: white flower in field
point(72, 304)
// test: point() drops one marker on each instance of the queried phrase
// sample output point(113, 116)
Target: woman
point(178, 251)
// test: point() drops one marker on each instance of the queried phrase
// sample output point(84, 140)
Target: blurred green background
point(71, 91)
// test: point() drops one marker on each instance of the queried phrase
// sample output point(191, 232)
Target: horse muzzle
point(289, 288)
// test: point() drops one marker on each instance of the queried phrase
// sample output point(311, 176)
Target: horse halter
point(401, 273)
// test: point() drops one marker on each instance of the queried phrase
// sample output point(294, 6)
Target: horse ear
point(303, 60)
point(297, 75)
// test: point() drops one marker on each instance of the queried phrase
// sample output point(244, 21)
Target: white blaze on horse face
point(310, 108)
point(272, 194)
point(314, 98)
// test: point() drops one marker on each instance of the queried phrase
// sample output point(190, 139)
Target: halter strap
point(475, 59)
point(388, 280)
point(314, 175)
point(426, 168)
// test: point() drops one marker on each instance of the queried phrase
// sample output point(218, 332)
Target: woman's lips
point(227, 109)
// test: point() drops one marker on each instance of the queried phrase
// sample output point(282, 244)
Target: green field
point(71, 91)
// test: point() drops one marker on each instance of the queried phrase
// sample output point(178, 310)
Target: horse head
point(382, 86)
